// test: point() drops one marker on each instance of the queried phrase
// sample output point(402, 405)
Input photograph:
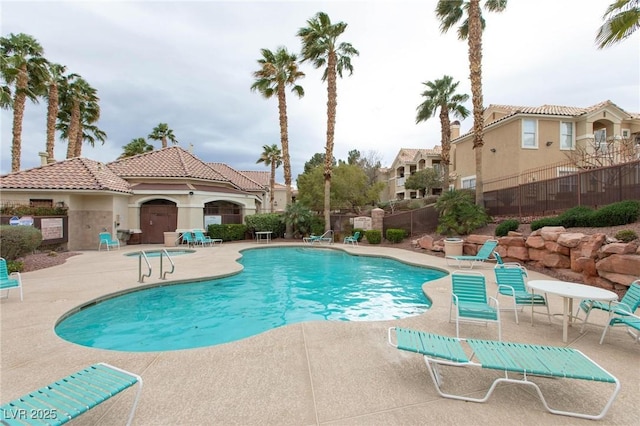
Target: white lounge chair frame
point(527, 360)
point(484, 253)
point(9, 281)
point(327, 238)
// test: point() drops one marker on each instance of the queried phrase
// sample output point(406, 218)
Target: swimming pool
point(278, 286)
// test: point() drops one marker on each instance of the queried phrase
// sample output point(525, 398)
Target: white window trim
point(535, 139)
point(573, 136)
point(466, 179)
point(626, 133)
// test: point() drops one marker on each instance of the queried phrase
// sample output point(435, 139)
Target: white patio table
point(569, 291)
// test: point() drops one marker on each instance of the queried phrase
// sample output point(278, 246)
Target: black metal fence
point(581, 187)
point(414, 222)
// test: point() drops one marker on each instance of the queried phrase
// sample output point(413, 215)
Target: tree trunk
point(284, 141)
point(475, 68)
point(272, 183)
point(52, 114)
point(332, 102)
point(164, 141)
point(79, 140)
point(73, 129)
point(445, 129)
point(18, 115)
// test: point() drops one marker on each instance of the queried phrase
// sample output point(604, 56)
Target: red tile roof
point(73, 174)
point(172, 161)
point(240, 179)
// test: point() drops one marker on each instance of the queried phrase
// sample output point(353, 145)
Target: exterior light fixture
point(493, 150)
point(549, 143)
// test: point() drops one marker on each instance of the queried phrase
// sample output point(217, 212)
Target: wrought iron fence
point(414, 222)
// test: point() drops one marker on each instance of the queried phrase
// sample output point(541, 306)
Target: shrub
point(506, 226)
point(459, 214)
point(626, 235)
point(374, 236)
point(231, 232)
point(395, 235)
point(615, 214)
point(15, 266)
point(576, 216)
point(545, 221)
point(265, 222)
point(300, 218)
point(414, 204)
point(16, 241)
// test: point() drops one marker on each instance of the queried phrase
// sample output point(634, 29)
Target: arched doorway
point(156, 218)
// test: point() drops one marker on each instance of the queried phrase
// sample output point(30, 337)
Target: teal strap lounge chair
point(628, 304)
point(326, 238)
point(66, 399)
point(623, 318)
point(200, 238)
point(470, 302)
point(108, 241)
point(353, 239)
point(520, 363)
point(8, 280)
point(484, 254)
point(511, 283)
point(188, 238)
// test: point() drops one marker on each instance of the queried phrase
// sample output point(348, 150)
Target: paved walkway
point(313, 373)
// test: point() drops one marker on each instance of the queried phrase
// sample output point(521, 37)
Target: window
point(566, 135)
point(600, 139)
point(626, 133)
point(40, 203)
point(468, 182)
point(529, 138)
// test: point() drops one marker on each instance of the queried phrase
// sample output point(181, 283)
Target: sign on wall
point(212, 220)
point(362, 222)
point(51, 228)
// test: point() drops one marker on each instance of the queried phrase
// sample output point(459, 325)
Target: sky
point(190, 64)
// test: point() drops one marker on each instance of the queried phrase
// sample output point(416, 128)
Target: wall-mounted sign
point(26, 221)
point(14, 221)
point(51, 228)
point(212, 220)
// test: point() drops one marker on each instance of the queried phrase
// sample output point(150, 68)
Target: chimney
point(455, 130)
point(43, 158)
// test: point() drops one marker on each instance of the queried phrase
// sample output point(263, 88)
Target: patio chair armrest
point(508, 287)
point(497, 304)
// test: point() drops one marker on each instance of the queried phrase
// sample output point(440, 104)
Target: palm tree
point(271, 156)
point(135, 147)
point(621, 19)
point(79, 109)
point(450, 12)
point(56, 75)
point(277, 70)
point(24, 69)
point(320, 46)
point(162, 132)
point(442, 94)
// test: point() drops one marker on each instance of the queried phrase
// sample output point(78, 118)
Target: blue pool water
point(278, 286)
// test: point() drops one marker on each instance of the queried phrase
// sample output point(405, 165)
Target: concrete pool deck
point(337, 373)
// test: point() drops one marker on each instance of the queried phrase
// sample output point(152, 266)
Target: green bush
point(265, 222)
point(545, 221)
point(395, 235)
point(626, 235)
point(374, 236)
point(26, 210)
point(506, 226)
point(615, 214)
point(15, 266)
point(231, 232)
point(459, 214)
point(578, 216)
point(16, 241)
point(415, 204)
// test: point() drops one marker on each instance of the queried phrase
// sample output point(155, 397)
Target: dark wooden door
point(155, 220)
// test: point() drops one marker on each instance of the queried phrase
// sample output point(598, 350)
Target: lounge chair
point(511, 283)
point(628, 304)
point(353, 239)
point(483, 255)
point(108, 241)
point(469, 298)
point(623, 318)
point(188, 238)
point(8, 280)
point(327, 238)
point(71, 396)
point(200, 238)
point(511, 359)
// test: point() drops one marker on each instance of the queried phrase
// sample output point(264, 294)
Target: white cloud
point(190, 64)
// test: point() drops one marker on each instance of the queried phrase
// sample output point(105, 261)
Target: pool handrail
point(163, 253)
point(141, 276)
